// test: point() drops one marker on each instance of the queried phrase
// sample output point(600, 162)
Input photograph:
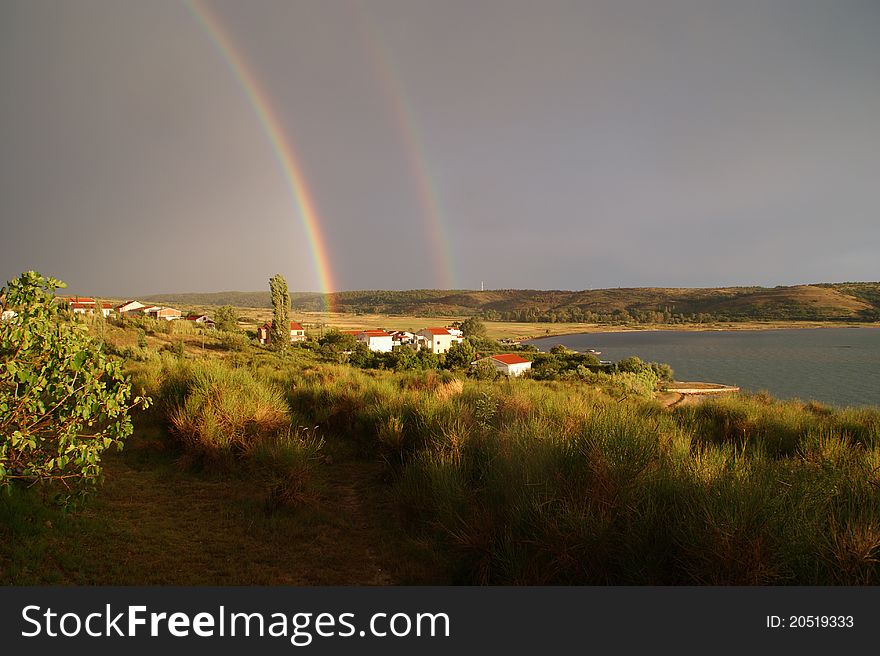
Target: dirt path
point(154, 523)
point(352, 496)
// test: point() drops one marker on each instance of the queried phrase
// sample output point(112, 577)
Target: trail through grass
point(153, 523)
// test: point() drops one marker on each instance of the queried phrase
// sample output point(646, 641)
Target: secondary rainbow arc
point(429, 199)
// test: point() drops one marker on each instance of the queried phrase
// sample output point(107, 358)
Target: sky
point(172, 146)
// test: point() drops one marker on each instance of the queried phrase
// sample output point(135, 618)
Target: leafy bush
point(63, 401)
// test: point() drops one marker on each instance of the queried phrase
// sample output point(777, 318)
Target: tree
point(98, 319)
point(226, 319)
point(473, 327)
point(63, 401)
point(338, 341)
point(362, 357)
point(280, 334)
point(559, 349)
point(460, 356)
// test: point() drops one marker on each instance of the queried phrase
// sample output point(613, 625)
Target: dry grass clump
point(227, 410)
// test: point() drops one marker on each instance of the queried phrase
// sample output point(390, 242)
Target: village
point(437, 340)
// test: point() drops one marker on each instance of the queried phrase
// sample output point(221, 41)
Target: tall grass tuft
point(287, 463)
point(226, 410)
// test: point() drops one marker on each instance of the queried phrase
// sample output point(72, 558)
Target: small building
point(507, 363)
point(403, 338)
point(439, 340)
point(163, 313)
point(7, 315)
point(129, 306)
point(79, 307)
point(376, 340)
point(82, 305)
point(202, 320)
point(297, 333)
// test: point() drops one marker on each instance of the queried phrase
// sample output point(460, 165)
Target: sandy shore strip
point(741, 326)
point(685, 393)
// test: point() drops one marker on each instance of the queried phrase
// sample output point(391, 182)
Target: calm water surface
point(833, 365)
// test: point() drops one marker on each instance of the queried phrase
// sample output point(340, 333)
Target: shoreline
point(753, 326)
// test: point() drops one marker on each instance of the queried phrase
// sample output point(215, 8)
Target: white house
point(508, 363)
point(83, 305)
point(7, 315)
point(439, 340)
point(297, 333)
point(376, 340)
point(129, 306)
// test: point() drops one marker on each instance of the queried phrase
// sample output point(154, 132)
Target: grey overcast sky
point(541, 145)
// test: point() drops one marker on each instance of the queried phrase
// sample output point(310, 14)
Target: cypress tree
point(280, 335)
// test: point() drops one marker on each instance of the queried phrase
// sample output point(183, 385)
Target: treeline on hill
point(821, 302)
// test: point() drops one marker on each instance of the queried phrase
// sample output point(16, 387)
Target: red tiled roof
point(375, 333)
point(293, 325)
point(509, 358)
point(438, 331)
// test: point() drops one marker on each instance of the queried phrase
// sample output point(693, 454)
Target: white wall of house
point(378, 343)
point(438, 343)
point(515, 369)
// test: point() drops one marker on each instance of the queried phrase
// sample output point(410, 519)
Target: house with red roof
point(509, 364)
point(438, 340)
point(297, 333)
point(85, 305)
point(376, 340)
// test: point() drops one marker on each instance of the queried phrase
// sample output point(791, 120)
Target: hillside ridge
point(849, 301)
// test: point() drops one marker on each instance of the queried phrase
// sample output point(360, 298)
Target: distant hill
point(852, 301)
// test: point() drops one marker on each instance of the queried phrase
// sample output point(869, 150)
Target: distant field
point(315, 322)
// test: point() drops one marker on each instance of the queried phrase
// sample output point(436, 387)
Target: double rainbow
point(292, 171)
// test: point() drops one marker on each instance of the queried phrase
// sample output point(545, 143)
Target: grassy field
point(258, 468)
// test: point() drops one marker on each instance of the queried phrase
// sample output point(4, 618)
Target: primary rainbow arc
point(260, 102)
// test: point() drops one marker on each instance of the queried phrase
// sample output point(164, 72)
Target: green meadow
point(253, 467)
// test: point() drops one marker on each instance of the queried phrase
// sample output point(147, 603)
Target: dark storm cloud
point(571, 144)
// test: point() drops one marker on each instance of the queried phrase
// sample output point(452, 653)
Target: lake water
point(840, 366)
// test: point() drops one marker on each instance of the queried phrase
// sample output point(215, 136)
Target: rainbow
point(284, 153)
point(428, 197)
